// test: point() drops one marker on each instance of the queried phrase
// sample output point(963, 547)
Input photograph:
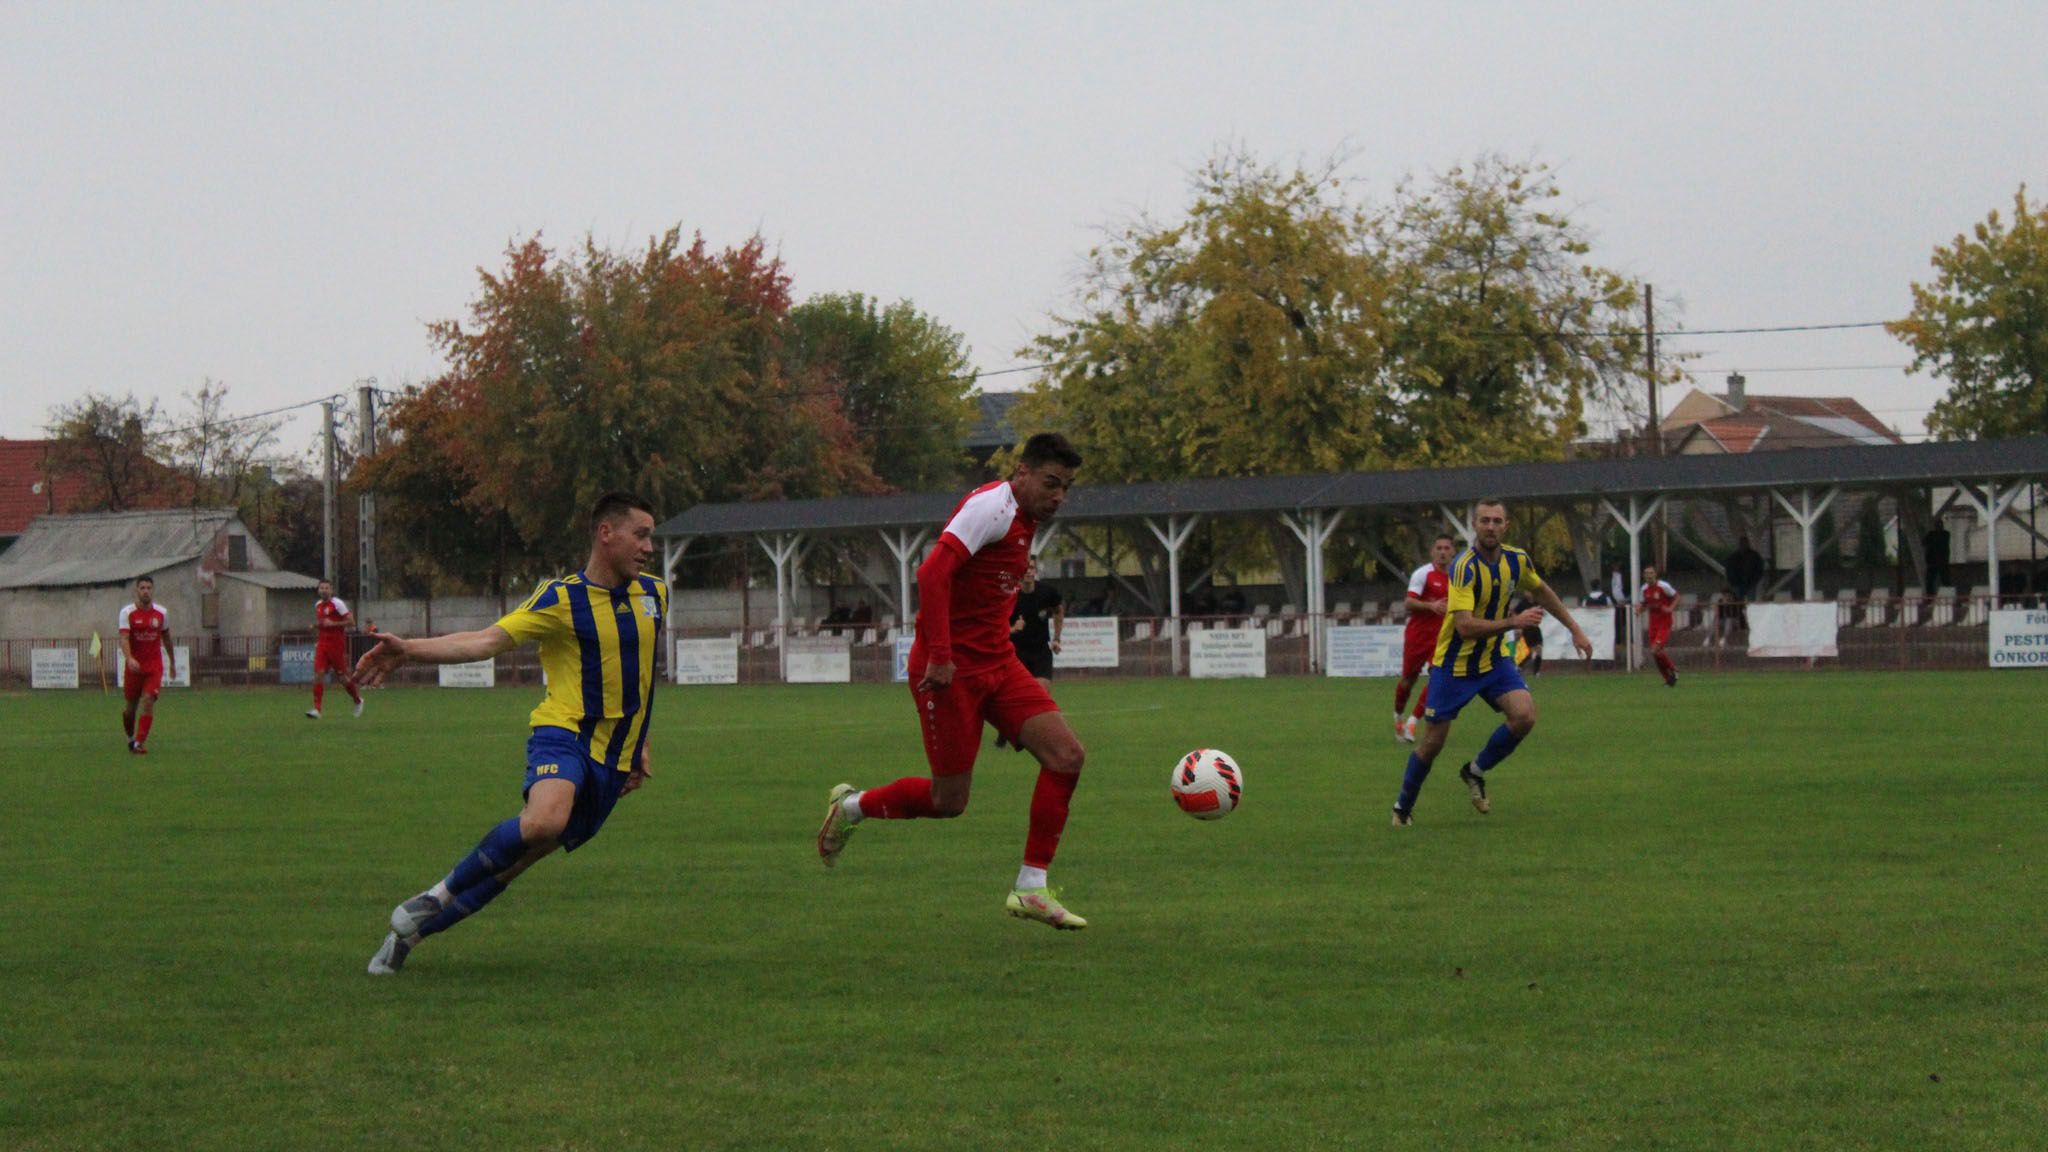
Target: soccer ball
point(1207, 784)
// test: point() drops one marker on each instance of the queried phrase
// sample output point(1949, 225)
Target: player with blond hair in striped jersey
point(1470, 661)
point(599, 631)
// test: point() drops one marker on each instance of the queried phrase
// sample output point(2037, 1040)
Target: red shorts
point(1005, 696)
point(148, 682)
point(1415, 656)
point(1659, 631)
point(334, 656)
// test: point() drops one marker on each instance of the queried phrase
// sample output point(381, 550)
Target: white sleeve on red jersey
point(163, 618)
point(983, 518)
point(125, 610)
point(1418, 581)
point(340, 607)
point(1670, 593)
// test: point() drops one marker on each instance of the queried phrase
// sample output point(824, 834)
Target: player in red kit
point(145, 654)
point(1657, 599)
point(964, 673)
point(1429, 587)
point(332, 619)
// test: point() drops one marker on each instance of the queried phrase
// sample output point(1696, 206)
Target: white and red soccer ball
point(1207, 784)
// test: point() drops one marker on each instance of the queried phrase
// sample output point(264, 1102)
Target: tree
point(1500, 334)
point(900, 377)
point(1982, 325)
point(1243, 340)
point(658, 371)
point(111, 444)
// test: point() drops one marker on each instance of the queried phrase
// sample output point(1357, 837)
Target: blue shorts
point(557, 754)
point(1449, 693)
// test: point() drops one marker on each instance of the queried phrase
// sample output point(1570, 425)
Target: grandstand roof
point(108, 547)
point(275, 579)
point(1868, 466)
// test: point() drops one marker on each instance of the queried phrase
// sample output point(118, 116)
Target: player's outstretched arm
point(393, 650)
point(1554, 604)
point(643, 769)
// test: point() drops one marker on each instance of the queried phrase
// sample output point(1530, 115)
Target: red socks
point(128, 725)
point(906, 799)
point(1049, 802)
point(142, 728)
point(1401, 689)
point(352, 693)
point(1665, 665)
point(319, 691)
point(1422, 701)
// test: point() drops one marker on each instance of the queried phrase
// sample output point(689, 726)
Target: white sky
point(280, 196)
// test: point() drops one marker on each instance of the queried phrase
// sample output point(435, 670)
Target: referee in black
point(1035, 626)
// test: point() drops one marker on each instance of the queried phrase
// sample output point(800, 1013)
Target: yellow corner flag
point(95, 650)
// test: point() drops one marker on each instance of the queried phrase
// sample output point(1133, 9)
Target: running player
point(1469, 660)
point(598, 632)
point(1657, 599)
point(964, 673)
point(331, 618)
point(1428, 587)
point(146, 653)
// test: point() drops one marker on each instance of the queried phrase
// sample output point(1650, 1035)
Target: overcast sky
point(281, 196)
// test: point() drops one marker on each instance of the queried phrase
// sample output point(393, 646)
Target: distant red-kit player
point(965, 673)
point(331, 618)
point(1429, 587)
point(145, 653)
point(1658, 597)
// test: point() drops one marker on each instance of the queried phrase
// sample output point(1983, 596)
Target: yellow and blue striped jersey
point(1485, 590)
point(598, 647)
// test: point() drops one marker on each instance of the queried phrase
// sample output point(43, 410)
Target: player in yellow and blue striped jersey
point(1471, 660)
point(599, 632)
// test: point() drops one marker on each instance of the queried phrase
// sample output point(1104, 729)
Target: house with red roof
point(29, 488)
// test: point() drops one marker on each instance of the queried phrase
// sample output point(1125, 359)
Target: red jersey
point(991, 538)
point(1657, 601)
point(331, 617)
point(1426, 583)
point(145, 630)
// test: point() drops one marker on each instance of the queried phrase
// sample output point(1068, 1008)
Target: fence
point(1874, 631)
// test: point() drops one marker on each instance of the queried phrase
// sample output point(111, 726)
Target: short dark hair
point(1049, 448)
point(1445, 536)
point(613, 506)
point(1496, 501)
point(141, 580)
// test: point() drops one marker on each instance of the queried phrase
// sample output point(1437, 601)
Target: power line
point(251, 416)
point(1803, 368)
point(1776, 328)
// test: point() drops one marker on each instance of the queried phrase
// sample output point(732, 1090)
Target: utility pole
point(1650, 355)
point(366, 511)
point(327, 491)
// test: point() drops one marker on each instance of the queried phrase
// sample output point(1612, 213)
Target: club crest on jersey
point(650, 608)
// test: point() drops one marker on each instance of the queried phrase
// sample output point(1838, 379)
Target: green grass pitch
point(1797, 911)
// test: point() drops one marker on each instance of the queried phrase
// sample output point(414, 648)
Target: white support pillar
point(1807, 515)
point(904, 543)
point(1462, 521)
point(1044, 537)
point(1990, 510)
point(1637, 519)
point(1175, 535)
point(1314, 530)
point(782, 549)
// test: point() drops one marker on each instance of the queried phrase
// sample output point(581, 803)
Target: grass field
point(1762, 911)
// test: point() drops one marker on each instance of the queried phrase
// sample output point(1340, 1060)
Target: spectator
point(1936, 545)
point(1745, 573)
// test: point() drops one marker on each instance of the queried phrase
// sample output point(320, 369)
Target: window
point(238, 553)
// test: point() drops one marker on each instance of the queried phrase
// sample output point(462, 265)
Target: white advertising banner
point(818, 660)
point(1088, 642)
point(182, 680)
point(713, 661)
point(1217, 653)
point(1365, 650)
point(53, 668)
point(1598, 624)
point(1792, 629)
point(480, 674)
point(902, 665)
point(2019, 638)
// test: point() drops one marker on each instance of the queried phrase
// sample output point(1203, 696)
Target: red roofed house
point(1735, 421)
point(27, 489)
